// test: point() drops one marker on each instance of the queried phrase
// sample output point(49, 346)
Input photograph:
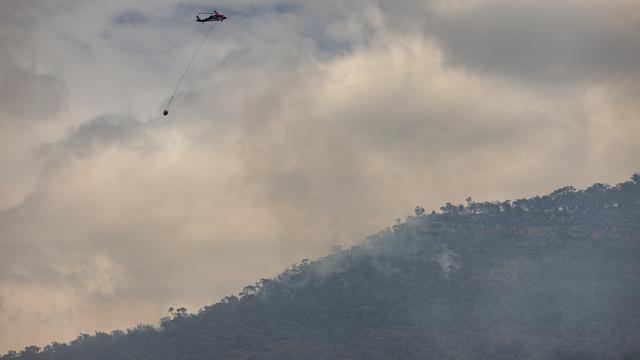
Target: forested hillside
point(552, 277)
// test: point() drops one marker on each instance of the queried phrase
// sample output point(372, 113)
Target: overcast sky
point(302, 125)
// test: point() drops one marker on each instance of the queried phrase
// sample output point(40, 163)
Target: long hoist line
point(215, 16)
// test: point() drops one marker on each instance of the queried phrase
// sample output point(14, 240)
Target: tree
point(448, 208)
point(10, 355)
point(471, 206)
point(30, 350)
point(177, 313)
point(248, 291)
point(563, 191)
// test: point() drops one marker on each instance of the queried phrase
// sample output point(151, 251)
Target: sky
point(301, 125)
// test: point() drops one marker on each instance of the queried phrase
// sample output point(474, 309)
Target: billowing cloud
point(300, 126)
point(534, 41)
point(26, 92)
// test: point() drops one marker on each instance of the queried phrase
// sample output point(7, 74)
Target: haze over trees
point(550, 277)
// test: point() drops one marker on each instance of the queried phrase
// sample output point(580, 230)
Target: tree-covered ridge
point(551, 277)
point(566, 199)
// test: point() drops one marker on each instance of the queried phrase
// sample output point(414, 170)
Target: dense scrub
point(552, 277)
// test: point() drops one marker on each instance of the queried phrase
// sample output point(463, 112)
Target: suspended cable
point(166, 109)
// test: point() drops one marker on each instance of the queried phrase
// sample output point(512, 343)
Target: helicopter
point(215, 16)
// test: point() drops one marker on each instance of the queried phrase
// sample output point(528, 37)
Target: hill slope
point(553, 277)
